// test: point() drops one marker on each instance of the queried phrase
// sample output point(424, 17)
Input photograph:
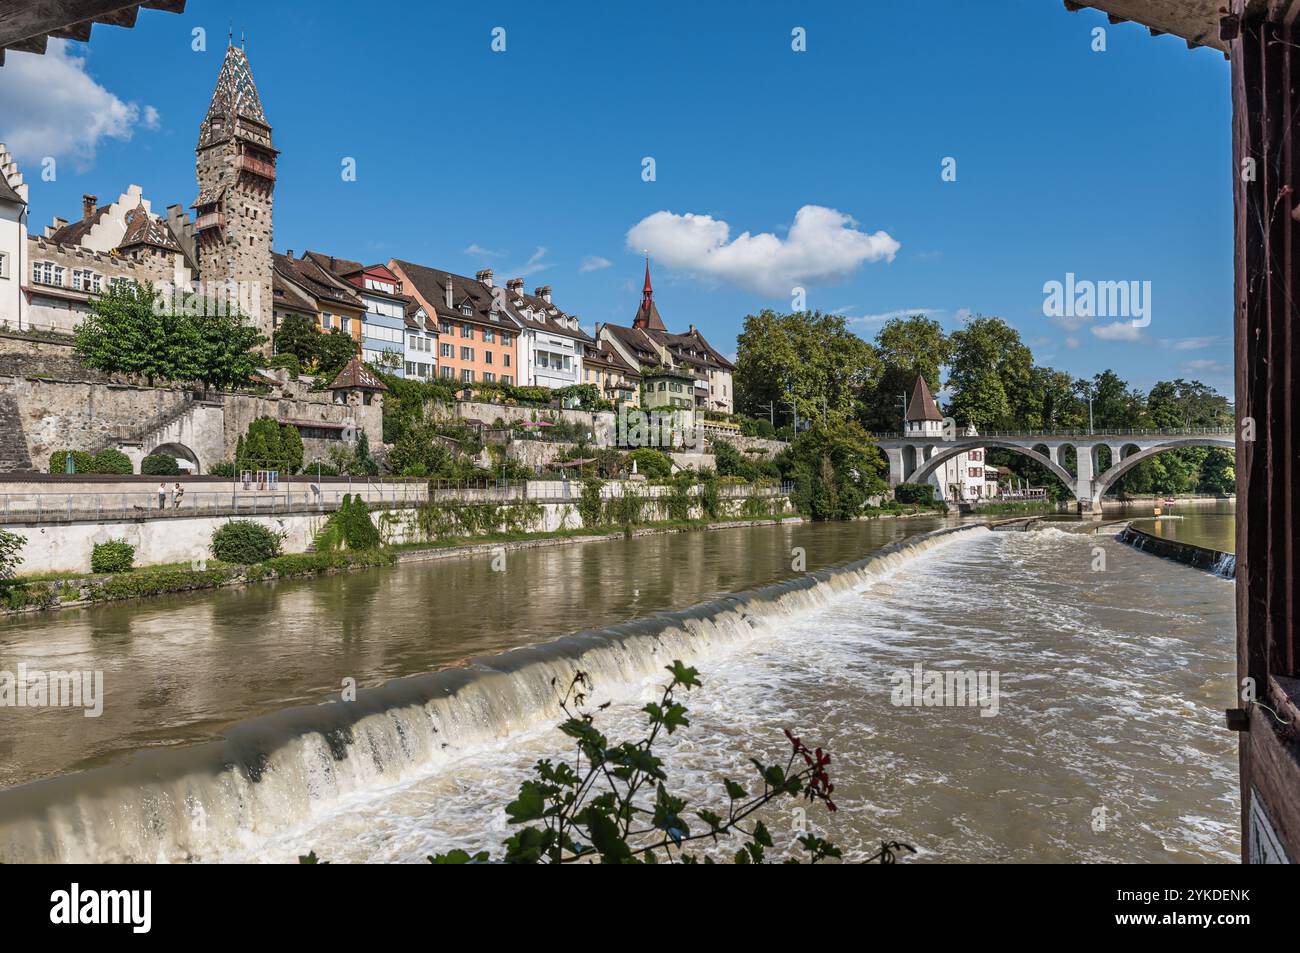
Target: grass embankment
point(1015, 509)
point(55, 590)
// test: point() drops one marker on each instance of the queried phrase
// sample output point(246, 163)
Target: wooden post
point(1265, 175)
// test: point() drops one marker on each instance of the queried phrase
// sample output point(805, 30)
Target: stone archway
point(185, 458)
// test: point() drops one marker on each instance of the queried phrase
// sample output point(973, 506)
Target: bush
point(223, 469)
point(359, 531)
point(10, 543)
point(81, 461)
point(160, 464)
point(653, 464)
point(589, 503)
point(287, 362)
point(245, 542)
point(914, 493)
point(116, 555)
point(111, 460)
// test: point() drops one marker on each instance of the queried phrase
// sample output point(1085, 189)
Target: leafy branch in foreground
point(611, 802)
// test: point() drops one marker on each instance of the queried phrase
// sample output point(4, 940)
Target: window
point(466, 310)
point(507, 379)
point(4, 265)
point(487, 357)
point(467, 331)
point(976, 472)
point(119, 284)
point(410, 368)
point(413, 341)
point(505, 360)
point(347, 324)
point(446, 327)
point(467, 354)
point(47, 273)
point(85, 280)
point(446, 372)
point(506, 339)
point(977, 454)
point(543, 359)
point(489, 335)
point(446, 350)
point(467, 376)
point(326, 321)
point(488, 377)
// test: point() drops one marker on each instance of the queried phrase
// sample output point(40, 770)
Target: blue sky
point(1112, 165)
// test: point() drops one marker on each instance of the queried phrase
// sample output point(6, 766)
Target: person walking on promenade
point(178, 495)
point(162, 495)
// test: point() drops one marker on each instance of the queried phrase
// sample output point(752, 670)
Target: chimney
point(692, 330)
point(515, 286)
point(88, 205)
point(288, 253)
point(485, 276)
point(449, 292)
point(544, 292)
point(597, 334)
point(334, 265)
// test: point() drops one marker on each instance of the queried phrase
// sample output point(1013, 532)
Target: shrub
point(160, 464)
point(116, 555)
point(914, 493)
point(710, 498)
point(654, 464)
point(81, 461)
point(350, 525)
point(10, 544)
point(288, 362)
point(245, 542)
point(589, 503)
point(223, 469)
point(111, 460)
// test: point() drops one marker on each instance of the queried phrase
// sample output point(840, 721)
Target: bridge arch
point(1106, 480)
point(926, 469)
point(186, 458)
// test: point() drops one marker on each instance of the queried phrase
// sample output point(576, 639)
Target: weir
point(272, 772)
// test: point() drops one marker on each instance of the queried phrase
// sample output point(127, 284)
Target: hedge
point(245, 542)
point(116, 555)
point(914, 493)
point(160, 465)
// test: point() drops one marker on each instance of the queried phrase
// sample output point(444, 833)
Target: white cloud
point(1203, 365)
point(52, 107)
point(594, 263)
point(478, 251)
point(1071, 343)
point(884, 316)
point(822, 246)
point(532, 266)
point(1191, 344)
point(1117, 331)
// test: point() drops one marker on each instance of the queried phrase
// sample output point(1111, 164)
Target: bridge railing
point(1025, 435)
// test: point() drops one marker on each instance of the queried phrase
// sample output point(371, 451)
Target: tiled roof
point(431, 284)
point(922, 406)
point(236, 93)
point(636, 341)
point(608, 358)
point(29, 26)
point(74, 232)
point(356, 376)
point(316, 281)
point(542, 316)
point(141, 229)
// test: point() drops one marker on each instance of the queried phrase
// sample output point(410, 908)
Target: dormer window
point(466, 310)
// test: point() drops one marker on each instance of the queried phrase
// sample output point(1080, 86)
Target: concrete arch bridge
point(1101, 457)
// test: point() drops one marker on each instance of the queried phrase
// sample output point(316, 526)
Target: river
point(1107, 742)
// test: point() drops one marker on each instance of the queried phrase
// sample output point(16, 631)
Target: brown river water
point(1102, 741)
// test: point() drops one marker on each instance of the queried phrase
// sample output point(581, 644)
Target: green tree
point(416, 453)
point(298, 335)
point(225, 350)
point(990, 376)
point(907, 347)
point(809, 359)
point(124, 333)
point(365, 461)
point(334, 350)
point(10, 546)
point(269, 445)
point(836, 467)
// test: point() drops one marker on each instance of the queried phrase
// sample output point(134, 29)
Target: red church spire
point(642, 318)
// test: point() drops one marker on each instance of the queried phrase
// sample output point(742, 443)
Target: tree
point(226, 350)
point(334, 350)
point(416, 453)
point(990, 376)
point(809, 359)
point(11, 545)
point(297, 335)
point(907, 348)
point(365, 461)
point(269, 445)
point(124, 333)
point(836, 467)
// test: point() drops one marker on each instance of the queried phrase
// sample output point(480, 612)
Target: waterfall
point(268, 773)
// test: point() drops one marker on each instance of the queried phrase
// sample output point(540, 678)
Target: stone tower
point(236, 173)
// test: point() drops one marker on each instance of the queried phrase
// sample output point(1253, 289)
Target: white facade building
point(551, 342)
point(13, 233)
point(963, 478)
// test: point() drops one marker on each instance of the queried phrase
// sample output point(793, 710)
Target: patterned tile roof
point(236, 93)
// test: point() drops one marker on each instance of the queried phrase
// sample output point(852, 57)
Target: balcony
point(256, 166)
point(210, 220)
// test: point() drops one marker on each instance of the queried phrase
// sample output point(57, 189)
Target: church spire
point(647, 316)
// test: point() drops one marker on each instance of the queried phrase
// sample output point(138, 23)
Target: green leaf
point(459, 857)
point(684, 675)
point(530, 805)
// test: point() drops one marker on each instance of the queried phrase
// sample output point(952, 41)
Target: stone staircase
point(13, 442)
